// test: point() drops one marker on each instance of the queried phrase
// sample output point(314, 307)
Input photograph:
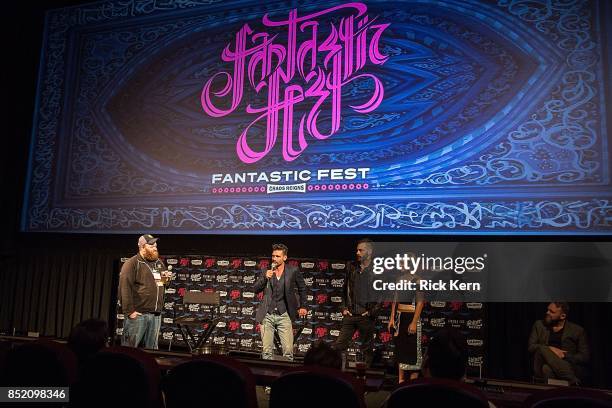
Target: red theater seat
point(117, 377)
point(210, 381)
point(312, 386)
point(569, 397)
point(436, 392)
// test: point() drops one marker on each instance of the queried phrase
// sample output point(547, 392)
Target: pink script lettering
point(271, 68)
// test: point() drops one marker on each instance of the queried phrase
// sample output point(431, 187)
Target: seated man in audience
point(87, 338)
point(559, 347)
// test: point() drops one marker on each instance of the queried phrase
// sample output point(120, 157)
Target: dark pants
point(547, 365)
point(365, 325)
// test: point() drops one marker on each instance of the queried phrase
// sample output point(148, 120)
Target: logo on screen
point(313, 72)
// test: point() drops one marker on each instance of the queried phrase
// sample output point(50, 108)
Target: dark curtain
point(50, 292)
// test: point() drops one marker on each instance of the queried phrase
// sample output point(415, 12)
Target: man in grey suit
point(559, 347)
point(281, 304)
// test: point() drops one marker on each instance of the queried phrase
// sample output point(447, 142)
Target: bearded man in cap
point(141, 294)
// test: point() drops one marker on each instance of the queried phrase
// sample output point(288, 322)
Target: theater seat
point(436, 392)
point(119, 377)
point(312, 386)
point(568, 397)
point(40, 363)
point(210, 381)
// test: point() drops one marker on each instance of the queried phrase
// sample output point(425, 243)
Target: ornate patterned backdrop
point(237, 329)
point(491, 118)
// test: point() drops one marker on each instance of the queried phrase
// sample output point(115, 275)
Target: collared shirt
point(360, 289)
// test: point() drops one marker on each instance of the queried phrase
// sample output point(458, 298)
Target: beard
point(151, 254)
point(549, 321)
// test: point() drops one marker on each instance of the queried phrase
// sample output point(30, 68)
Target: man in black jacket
point(141, 294)
point(358, 311)
point(280, 306)
point(560, 349)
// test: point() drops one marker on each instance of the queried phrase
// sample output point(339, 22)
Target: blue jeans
point(142, 328)
point(282, 324)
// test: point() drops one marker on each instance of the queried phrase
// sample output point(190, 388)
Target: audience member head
point(88, 337)
point(322, 354)
point(446, 355)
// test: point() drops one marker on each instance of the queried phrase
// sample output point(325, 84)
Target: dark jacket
point(295, 292)
point(138, 291)
point(348, 295)
point(573, 340)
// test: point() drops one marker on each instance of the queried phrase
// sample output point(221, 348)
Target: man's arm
point(127, 276)
point(534, 341)
point(301, 286)
point(260, 283)
point(582, 355)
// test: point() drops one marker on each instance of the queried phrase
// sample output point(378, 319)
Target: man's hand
point(391, 324)
point(134, 315)
point(412, 327)
point(302, 312)
point(269, 273)
point(346, 312)
point(558, 352)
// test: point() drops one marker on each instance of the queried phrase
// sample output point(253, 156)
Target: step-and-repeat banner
point(237, 329)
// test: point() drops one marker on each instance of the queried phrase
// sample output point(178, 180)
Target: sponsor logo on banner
point(219, 339)
point(233, 309)
point(303, 348)
point(248, 310)
point(210, 262)
point(222, 278)
point(292, 262)
point(323, 265)
point(337, 283)
point(170, 291)
point(260, 295)
point(264, 264)
point(233, 325)
point(246, 343)
point(437, 304)
point(172, 261)
point(119, 331)
point(223, 263)
point(338, 266)
point(336, 316)
point(184, 262)
point(181, 292)
point(307, 265)
point(438, 322)
point(307, 330)
point(196, 277)
point(196, 262)
point(221, 325)
point(120, 316)
point(247, 326)
point(474, 305)
point(194, 307)
point(284, 188)
point(321, 315)
point(248, 295)
point(124, 259)
point(236, 263)
point(223, 309)
point(222, 293)
point(456, 306)
point(250, 264)
point(167, 335)
point(168, 320)
point(320, 331)
point(475, 342)
point(475, 361)
point(234, 294)
point(169, 305)
point(309, 298)
point(336, 299)
point(334, 332)
point(385, 337)
point(322, 281)
point(308, 281)
point(474, 324)
point(322, 298)
point(250, 279)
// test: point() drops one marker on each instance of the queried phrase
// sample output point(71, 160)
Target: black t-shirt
point(554, 338)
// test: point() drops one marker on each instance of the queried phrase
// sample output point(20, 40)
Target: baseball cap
point(146, 239)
